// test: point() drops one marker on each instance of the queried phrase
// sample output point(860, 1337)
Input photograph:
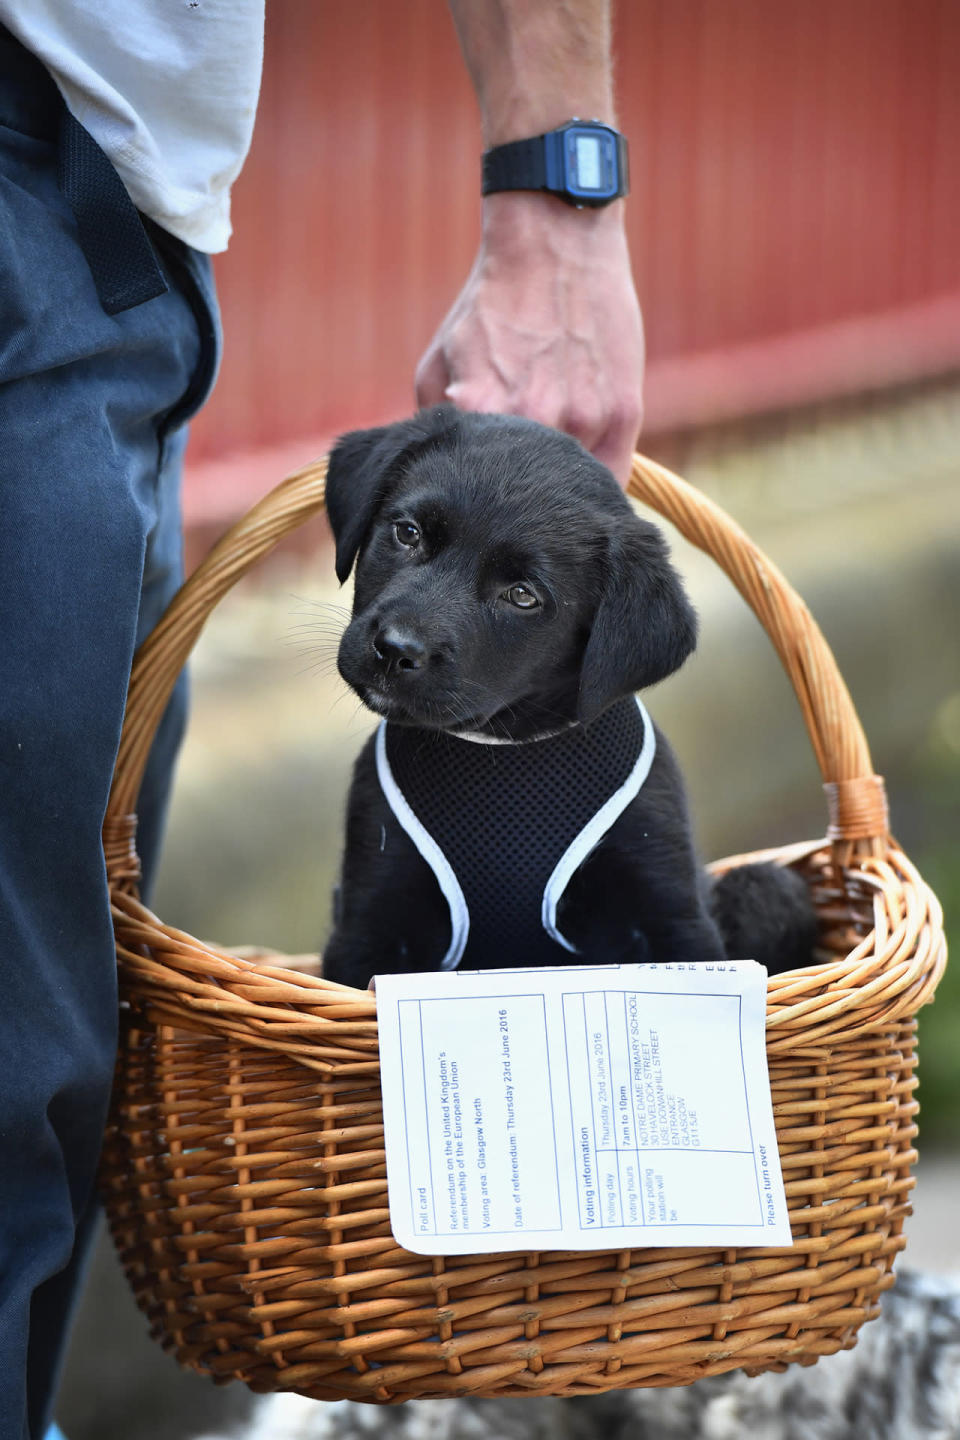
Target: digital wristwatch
point(583, 162)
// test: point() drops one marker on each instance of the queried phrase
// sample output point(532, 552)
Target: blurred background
point(794, 218)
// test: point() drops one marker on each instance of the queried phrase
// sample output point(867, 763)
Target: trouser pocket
point(191, 272)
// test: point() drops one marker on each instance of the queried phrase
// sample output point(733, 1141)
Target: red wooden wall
point(794, 218)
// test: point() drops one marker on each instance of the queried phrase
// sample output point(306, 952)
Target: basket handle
point(858, 818)
point(856, 799)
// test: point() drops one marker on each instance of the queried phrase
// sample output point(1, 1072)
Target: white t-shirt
point(167, 88)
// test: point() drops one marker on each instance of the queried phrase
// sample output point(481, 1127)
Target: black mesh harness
point(505, 826)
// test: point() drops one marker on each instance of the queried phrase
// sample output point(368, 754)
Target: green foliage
point(935, 850)
point(939, 1049)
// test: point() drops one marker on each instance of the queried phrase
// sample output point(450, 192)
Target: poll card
point(582, 1108)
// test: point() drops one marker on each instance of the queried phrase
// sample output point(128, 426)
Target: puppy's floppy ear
point(364, 465)
point(644, 627)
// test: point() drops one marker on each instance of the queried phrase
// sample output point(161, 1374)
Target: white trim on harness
point(431, 852)
point(594, 831)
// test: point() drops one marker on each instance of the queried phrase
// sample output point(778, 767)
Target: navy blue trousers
point(93, 407)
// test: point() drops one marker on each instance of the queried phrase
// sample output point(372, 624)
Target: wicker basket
point(243, 1170)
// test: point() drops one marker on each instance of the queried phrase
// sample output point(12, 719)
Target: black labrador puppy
point(517, 806)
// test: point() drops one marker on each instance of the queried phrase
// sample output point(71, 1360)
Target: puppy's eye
point(522, 597)
point(407, 533)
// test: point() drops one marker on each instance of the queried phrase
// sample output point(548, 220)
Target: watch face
point(591, 162)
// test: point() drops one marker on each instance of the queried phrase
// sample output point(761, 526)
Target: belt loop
point(116, 246)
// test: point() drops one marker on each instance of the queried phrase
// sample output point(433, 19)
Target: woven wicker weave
point(243, 1170)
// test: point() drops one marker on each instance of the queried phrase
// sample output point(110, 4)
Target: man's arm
point(548, 323)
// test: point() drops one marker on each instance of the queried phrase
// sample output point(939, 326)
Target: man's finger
point(432, 377)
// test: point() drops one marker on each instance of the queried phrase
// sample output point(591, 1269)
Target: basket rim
point(180, 981)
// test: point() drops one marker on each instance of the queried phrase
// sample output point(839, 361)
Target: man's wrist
point(519, 219)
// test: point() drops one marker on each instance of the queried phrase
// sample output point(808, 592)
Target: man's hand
point(548, 325)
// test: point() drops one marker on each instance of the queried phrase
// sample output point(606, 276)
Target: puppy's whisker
point(315, 652)
point(313, 603)
point(311, 638)
point(324, 629)
point(325, 614)
point(320, 669)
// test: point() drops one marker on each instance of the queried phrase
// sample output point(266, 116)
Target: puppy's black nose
point(397, 649)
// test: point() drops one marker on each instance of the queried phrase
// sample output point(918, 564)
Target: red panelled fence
point(794, 215)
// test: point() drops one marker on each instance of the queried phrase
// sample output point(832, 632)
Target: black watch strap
point(517, 165)
point(583, 163)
